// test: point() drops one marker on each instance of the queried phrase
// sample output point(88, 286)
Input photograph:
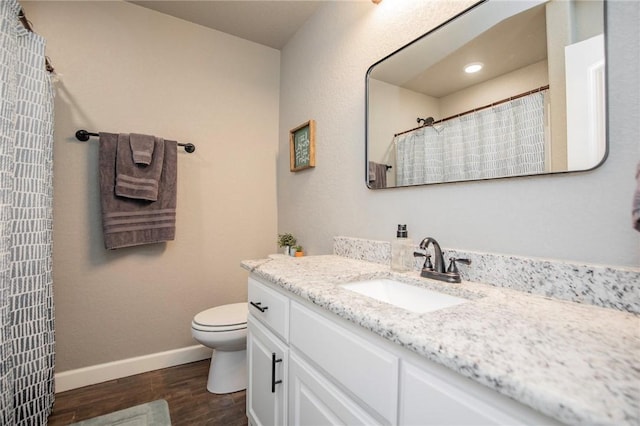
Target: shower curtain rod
point(511, 98)
point(83, 135)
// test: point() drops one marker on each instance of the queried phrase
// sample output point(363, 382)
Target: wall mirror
point(536, 103)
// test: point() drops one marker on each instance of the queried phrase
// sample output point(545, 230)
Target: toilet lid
point(223, 316)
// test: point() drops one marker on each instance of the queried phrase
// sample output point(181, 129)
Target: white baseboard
point(86, 376)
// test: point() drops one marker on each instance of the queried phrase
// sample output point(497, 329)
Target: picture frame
point(302, 146)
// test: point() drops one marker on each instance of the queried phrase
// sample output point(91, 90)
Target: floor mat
point(154, 413)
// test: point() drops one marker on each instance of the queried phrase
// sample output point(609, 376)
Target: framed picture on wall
point(302, 146)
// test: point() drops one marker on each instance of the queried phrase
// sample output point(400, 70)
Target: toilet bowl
point(224, 329)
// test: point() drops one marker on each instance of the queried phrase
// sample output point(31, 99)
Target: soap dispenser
point(402, 251)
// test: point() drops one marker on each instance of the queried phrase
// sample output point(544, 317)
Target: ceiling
point(525, 45)
point(267, 22)
point(434, 64)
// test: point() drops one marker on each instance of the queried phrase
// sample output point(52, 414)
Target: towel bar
point(83, 135)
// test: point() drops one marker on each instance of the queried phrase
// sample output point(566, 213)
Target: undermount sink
point(409, 297)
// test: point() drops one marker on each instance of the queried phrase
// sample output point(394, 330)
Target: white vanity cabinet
point(335, 372)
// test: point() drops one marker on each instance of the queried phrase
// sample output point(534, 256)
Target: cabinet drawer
point(365, 370)
point(269, 307)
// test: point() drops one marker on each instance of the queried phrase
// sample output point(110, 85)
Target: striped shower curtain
point(504, 140)
point(26, 300)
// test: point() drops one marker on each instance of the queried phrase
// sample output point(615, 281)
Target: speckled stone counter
point(600, 285)
point(577, 363)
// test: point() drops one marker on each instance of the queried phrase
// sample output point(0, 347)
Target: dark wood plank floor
point(184, 387)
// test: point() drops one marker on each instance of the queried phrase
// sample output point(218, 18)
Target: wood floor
point(184, 387)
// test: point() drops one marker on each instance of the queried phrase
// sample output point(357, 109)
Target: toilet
point(224, 329)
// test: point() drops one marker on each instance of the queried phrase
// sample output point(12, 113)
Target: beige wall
point(127, 69)
point(393, 110)
point(559, 23)
point(584, 217)
point(513, 83)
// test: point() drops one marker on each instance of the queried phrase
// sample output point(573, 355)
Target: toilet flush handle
point(257, 306)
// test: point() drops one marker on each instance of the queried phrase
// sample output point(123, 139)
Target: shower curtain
point(504, 140)
point(26, 302)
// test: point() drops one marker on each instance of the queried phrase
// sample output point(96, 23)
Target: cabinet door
point(363, 368)
point(313, 400)
point(267, 359)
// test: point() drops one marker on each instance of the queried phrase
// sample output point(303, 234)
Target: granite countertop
point(574, 362)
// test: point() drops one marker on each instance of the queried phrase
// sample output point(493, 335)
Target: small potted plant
point(299, 251)
point(287, 241)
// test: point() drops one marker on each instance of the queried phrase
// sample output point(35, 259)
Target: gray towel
point(142, 148)
point(636, 201)
point(372, 171)
point(379, 175)
point(134, 180)
point(130, 222)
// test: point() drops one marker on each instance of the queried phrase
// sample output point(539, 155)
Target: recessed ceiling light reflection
point(473, 68)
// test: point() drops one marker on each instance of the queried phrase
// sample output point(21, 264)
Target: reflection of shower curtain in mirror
point(504, 140)
point(26, 191)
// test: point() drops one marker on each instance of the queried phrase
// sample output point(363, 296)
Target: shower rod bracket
point(425, 121)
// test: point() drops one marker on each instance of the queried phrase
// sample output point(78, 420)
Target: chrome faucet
point(437, 271)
